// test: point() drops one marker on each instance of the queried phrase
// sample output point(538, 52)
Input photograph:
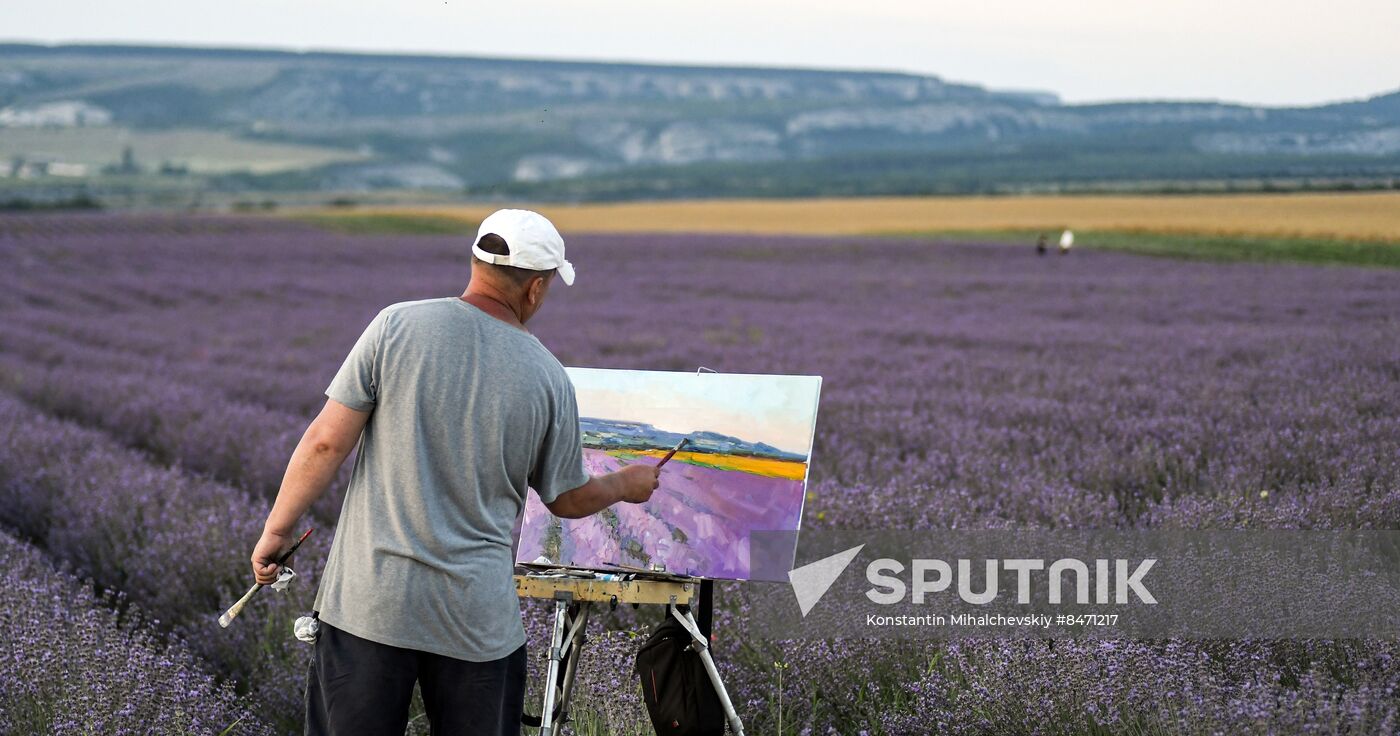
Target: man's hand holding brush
point(266, 553)
point(282, 555)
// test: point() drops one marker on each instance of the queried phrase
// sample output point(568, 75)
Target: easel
point(574, 595)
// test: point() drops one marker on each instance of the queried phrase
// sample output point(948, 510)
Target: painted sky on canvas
point(1278, 52)
point(778, 410)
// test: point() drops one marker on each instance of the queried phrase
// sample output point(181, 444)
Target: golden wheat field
point(1363, 216)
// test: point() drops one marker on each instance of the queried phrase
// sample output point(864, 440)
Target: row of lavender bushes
point(70, 664)
point(243, 445)
point(172, 543)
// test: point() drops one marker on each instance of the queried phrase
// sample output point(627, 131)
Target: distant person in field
point(456, 409)
point(1040, 247)
point(1066, 241)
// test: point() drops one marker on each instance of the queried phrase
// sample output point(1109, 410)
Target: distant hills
point(180, 120)
point(609, 434)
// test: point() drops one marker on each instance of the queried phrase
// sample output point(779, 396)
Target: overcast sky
point(1255, 51)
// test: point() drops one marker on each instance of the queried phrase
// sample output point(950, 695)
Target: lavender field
point(155, 373)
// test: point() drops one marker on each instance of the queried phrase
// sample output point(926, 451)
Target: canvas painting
point(743, 468)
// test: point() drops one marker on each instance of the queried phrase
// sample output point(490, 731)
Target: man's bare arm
point(633, 484)
point(329, 439)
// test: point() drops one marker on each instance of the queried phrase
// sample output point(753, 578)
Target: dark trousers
point(360, 687)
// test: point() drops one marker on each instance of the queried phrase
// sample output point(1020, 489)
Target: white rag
point(284, 578)
point(307, 629)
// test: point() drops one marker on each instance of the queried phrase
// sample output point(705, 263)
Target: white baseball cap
point(533, 241)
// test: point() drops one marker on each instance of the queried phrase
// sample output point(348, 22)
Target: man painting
point(457, 409)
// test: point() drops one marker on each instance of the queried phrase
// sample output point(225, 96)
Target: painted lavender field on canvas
point(743, 468)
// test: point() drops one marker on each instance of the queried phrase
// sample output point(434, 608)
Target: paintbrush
point(673, 451)
point(237, 608)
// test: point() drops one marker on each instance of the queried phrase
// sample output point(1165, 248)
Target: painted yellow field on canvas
point(1363, 215)
point(767, 467)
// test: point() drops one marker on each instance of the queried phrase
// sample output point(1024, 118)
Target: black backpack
point(677, 690)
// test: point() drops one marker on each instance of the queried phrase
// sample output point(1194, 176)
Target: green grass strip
point(384, 223)
point(1196, 246)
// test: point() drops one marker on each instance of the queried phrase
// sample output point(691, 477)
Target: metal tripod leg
point(556, 642)
point(573, 643)
point(702, 645)
point(568, 635)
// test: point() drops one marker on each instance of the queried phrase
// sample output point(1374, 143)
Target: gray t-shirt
point(466, 412)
